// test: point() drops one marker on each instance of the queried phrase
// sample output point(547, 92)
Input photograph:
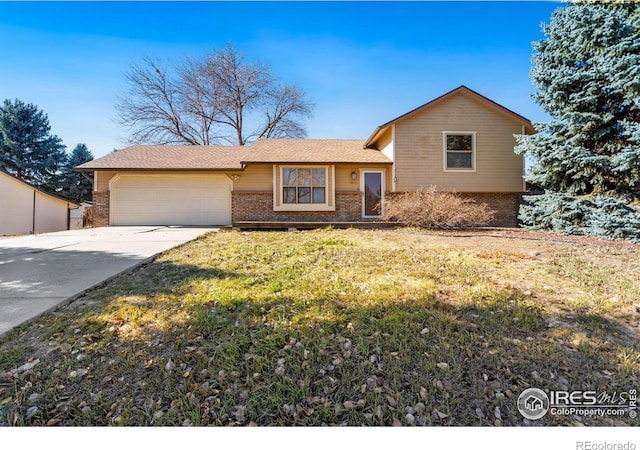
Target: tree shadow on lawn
point(151, 348)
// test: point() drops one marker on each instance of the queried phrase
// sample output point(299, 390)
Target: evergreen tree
point(74, 185)
point(28, 150)
point(587, 74)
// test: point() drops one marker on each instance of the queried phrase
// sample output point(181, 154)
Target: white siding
point(17, 209)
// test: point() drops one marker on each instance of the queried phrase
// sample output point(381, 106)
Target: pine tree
point(587, 158)
point(74, 185)
point(28, 150)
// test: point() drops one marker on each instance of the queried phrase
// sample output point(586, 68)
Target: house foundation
point(504, 204)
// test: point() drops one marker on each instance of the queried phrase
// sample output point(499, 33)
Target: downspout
point(524, 165)
point(33, 214)
point(394, 178)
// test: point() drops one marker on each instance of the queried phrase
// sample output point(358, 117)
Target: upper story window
point(304, 185)
point(459, 151)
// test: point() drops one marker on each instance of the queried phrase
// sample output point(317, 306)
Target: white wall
point(51, 215)
point(17, 210)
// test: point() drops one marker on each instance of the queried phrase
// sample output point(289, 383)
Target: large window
point(304, 185)
point(459, 151)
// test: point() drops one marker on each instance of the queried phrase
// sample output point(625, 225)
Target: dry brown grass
point(334, 327)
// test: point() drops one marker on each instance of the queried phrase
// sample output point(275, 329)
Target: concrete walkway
point(41, 272)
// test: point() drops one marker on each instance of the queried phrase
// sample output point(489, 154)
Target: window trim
point(473, 150)
point(278, 189)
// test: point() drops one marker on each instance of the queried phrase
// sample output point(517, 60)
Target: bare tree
point(222, 99)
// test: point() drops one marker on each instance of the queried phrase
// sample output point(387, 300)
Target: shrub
point(601, 216)
point(439, 210)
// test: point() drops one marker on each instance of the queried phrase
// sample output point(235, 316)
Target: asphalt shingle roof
point(314, 151)
point(169, 157)
point(190, 157)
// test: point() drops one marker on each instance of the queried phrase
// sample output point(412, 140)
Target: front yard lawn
point(334, 327)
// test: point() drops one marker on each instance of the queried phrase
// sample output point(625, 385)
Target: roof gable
point(462, 90)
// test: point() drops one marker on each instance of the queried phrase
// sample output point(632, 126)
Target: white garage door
point(156, 199)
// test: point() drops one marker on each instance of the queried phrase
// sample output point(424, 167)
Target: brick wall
point(258, 206)
point(504, 204)
point(100, 208)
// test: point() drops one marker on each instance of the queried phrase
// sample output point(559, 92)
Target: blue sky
point(362, 63)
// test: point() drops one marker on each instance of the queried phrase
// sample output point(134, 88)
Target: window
point(459, 149)
point(304, 188)
point(304, 185)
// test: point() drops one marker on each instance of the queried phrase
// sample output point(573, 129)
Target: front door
point(373, 193)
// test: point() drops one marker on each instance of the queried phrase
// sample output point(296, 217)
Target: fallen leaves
point(30, 413)
point(369, 336)
point(26, 366)
point(239, 413)
point(280, 368)
point(391, 400)
point(350, 405)
point(78, 373)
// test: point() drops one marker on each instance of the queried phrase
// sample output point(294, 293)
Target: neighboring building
point(460, 141)
point(25, 209)
point(77, 218)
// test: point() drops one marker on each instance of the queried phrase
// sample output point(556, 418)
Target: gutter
point(373, 135)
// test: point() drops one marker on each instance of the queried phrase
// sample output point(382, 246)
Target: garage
point(170, 199)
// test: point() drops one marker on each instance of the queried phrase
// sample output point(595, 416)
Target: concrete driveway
point(40, 272)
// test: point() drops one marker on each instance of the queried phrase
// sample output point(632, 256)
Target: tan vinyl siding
point(255, 178)
point(344, 182)
point(103, 177)
point(259, 177)
point(419, 148)
point(384, 139)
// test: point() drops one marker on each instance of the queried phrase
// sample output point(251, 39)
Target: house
point(533, 403)
point(25, 209)
point(460, 141)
